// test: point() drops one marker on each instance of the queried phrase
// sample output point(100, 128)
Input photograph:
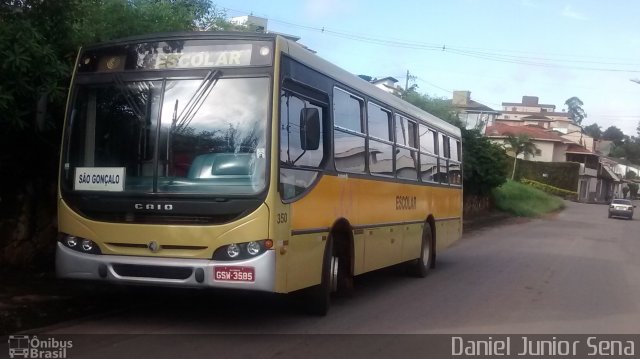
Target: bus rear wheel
point(420, 267)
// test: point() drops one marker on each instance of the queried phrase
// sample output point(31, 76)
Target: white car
point(621, 208)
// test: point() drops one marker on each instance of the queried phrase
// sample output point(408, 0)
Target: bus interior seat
point(212, 165)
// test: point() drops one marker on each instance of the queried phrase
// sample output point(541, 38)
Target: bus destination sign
point(166, 56)
point(99, 179)
point(238, 56)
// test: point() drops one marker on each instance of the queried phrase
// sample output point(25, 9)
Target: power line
point(479, 53)
point(495, 55)
point(434, 85)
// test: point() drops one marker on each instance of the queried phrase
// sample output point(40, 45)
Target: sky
point(499, 50)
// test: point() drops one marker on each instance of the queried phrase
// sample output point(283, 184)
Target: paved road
point(573, 272)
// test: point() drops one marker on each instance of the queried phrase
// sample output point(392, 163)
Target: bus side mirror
point(309, 129)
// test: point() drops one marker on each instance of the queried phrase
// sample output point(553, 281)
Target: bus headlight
point(253, 248)
point(233, 250)
point(87, 245)
point(79, 244)
point(240, 251)
point(71, 241)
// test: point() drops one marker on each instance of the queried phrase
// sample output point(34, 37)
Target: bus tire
point(420, 267)
point(342, 275)
point(318, 298)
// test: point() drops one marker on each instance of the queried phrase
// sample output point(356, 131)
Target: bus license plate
point(234, 274)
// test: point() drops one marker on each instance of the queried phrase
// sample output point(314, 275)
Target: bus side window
point(291, 151)
point(455, 170)
point(349, 137)
point(406, 154)
point(380, 127)
point(445, 154)
point(294, 180)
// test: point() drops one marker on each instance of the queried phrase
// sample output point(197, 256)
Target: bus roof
point(308, 58)
point(184, 35)
point(302, 54)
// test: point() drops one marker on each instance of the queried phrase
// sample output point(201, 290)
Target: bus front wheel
point(318, 298)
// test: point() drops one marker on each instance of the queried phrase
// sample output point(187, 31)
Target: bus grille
point(159, 219)
point(146, 271)
point(165, 246)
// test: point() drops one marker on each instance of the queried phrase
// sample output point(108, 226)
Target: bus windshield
point(204, 135)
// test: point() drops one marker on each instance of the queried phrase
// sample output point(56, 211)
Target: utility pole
point(406, 83)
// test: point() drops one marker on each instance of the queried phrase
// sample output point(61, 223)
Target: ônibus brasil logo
point(32, 347)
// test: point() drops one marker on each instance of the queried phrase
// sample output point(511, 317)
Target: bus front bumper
point(173, 272)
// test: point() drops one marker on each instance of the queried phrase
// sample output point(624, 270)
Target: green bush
point(550, 189)
point(522, 200)
point(485, 164)
point(564, 175)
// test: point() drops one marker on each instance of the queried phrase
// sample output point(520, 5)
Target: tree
point(438, 107)
point(612, 133)
point(520, 144)
point(628, 149)
point(574, 108)
point(594, 131)
point(39, 40)
point(485, 164)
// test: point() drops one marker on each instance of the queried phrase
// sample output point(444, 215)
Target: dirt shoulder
point(32, 300)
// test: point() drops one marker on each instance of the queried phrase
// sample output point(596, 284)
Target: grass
point(524, 201)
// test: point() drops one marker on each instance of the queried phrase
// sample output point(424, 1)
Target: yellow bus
point(245, 161)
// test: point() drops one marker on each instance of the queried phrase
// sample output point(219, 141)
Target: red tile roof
point(534, 132)
point(537, 117)
point(546, 113)
point(575, 148)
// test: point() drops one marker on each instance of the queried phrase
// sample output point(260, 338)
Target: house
point(472, 113)
point(253, 23)
point(596, 181)
point(388, 84)
point(531, 112)
point(582, 139)
point(552, 146)
point(620, 167)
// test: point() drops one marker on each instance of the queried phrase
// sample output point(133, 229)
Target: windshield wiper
point(128, 96)
point(196, 100)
